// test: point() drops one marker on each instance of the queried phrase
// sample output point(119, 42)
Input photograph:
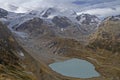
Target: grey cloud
point(87, 6)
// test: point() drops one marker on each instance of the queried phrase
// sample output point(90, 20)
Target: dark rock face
point(61, 22)
point(35, 27)
point(31, 24)
point(3, 13)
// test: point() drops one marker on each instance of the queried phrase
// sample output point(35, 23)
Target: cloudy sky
point(97, 7)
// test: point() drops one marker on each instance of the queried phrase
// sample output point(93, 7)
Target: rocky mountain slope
point(60, 26)
point(62, 23)
point(48, 43)
point(88, 22)
point(108, 35)
point(11, 58)
point(17, 64)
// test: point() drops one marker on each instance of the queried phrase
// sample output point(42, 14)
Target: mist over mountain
point(94, 7)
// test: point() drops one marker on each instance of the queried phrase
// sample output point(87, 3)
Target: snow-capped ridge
point(115, 18)
point(87, 19)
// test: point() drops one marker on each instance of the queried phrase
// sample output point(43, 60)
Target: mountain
point(61, 22)
point(58, 26)
point(18, 64)
point(3, 13)
point(113, 18)
point(49, 12)
point(65, 20)
point(50, 43)
point(108, 35)
point(88, 22)
point(12, 58)
point(88, 19)
point(63, 25)
point(52, 12)
point(34, 27)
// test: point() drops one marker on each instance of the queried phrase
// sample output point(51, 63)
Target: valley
point(40, 41)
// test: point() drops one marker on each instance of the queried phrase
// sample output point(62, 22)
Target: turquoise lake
point(75, 68)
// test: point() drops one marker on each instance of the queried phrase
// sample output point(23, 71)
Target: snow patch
point(21, 54)
point(62, 29)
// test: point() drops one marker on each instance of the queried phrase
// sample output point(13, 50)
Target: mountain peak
point(87, 19)
point(48, 12)
point(113, 18)
point(3, 13)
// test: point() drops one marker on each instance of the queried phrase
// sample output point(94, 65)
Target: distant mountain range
point(63, 23)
